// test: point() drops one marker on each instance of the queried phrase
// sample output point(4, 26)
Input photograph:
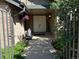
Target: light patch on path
point(40, 48)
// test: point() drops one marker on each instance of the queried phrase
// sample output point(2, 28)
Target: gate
point(6, 35)
point(71, 31)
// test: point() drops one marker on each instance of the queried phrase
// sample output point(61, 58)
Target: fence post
point(78, 42)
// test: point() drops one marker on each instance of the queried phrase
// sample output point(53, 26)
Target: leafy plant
point(59, 43)
point(18, 50)
point(60, 4)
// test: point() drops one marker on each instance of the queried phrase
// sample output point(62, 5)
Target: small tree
point(65, 7)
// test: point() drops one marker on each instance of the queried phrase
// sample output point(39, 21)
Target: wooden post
point(78, 42)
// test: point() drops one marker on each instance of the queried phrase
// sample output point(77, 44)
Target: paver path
point(39, 48)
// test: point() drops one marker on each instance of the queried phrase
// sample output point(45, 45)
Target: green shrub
point(18, 50)
point(19, 47)
point(59, 44)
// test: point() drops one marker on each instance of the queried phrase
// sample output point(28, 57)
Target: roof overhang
point(13, 2)
point(18, 4)
point(36, 7)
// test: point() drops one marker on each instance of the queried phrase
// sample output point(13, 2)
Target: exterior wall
point(50, 21)
point(18, 24)
point(5, 8)
point(1, 30)
point(18, 31)
point(38, 11)
point(3, 18)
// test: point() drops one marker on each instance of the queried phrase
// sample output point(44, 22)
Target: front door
point(39, 24)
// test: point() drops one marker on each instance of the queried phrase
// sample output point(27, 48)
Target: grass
point(18, 51)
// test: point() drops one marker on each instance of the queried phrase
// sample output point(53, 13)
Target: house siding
point(4, 10)
point(17, 24)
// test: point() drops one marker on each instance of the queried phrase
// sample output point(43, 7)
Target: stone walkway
point(40, 48)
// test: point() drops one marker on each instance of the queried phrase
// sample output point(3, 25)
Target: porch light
point(49, 15)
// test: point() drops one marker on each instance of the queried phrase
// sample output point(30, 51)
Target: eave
point(13, 3)
point(18, 4)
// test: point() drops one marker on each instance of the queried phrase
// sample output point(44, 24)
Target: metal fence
point(6, 35)
point(71, 50)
